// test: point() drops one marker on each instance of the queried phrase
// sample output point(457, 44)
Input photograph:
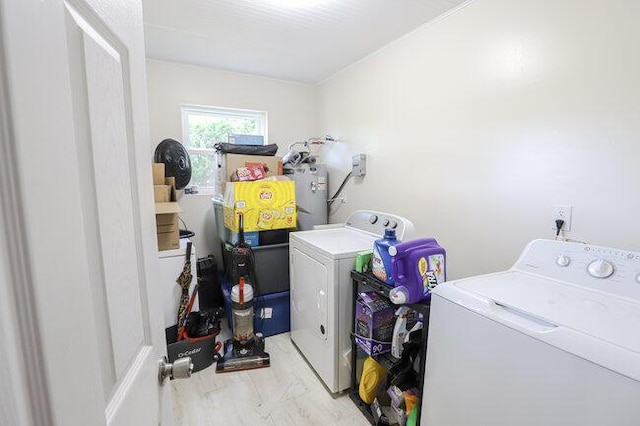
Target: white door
point(77, 213)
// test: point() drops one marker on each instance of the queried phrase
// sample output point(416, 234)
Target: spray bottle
point(399, 331)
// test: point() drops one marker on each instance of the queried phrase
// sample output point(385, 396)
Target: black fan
point(176, 161)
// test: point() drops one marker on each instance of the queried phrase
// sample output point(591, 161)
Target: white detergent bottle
point(399, 331)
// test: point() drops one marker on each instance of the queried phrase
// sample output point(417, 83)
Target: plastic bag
point(229, 148)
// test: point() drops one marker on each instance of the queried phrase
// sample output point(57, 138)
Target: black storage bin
point(272, 267)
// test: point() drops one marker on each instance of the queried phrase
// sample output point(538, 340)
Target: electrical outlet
point(561, 212)
point(359, 165)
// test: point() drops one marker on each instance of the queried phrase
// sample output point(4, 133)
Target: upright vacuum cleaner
point(245, 350)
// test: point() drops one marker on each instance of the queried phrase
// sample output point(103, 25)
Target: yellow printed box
point(264, 204)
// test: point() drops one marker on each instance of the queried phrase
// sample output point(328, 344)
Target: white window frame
point(215, 111)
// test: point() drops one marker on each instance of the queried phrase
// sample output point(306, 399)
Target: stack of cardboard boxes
point(228, 163)
point(267, 205)
point(167, 209)
point(269, 209)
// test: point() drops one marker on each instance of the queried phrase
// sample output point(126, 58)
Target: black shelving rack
point(369, 281)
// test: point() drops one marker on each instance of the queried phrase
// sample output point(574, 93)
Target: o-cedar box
point(264, 204)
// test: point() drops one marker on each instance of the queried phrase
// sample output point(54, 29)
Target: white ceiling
point(285, 39)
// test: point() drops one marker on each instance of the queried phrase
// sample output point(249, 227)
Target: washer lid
point(587, 323)
point(336, 243)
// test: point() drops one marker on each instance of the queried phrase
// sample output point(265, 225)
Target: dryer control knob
point(373, 219)
point(563, 260)
point(600, 268)
point(394, 224)
point(638, 278)
point(385, 222)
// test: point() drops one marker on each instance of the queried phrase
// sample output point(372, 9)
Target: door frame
point(26, 392)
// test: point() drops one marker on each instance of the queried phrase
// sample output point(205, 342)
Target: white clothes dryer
point(553, 341)
point(320, 264)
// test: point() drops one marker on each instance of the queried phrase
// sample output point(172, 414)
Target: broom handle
point(188, 258)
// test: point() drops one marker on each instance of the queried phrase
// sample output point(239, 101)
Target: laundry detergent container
point(417, 266)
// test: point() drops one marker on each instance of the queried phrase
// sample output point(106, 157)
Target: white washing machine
point(553, 341)
point(320, 263)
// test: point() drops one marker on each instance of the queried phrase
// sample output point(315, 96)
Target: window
point(203, 127)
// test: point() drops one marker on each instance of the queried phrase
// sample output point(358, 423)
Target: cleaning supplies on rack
point(363, 261)
point(381, 260)
point(373, 375)
point(374, 323)
point(400, 330)
point(417, 266)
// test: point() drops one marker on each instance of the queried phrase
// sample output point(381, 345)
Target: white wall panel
point(477, 124)
point(290, 110)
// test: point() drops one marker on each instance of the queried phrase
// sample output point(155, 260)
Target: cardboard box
point(167, 225)
point(162, 193)
point(374, 323)
point(158, 173)
point(168, 241)
point(167, 208)
point(171, 181)
point(265, 205)
point(228, 163)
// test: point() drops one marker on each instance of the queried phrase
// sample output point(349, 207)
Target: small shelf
point(369, 280)
point(387, 360)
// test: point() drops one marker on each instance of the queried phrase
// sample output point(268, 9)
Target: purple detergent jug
point(417, 266)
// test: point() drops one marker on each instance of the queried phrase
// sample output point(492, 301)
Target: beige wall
point(476, 125)
point(289, 106)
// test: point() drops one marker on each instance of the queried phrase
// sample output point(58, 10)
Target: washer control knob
point(373, 219)
point(638, 278)
point(385, 222)
point(600, 268)
point(394, 224)
point(563, 260)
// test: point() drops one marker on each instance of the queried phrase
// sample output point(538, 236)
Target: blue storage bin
point(272, 311)
point(250, 238)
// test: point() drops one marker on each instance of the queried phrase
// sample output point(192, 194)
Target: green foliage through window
point(202, 170)
point(205, 130)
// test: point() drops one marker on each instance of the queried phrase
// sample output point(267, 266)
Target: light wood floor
point(287, 393)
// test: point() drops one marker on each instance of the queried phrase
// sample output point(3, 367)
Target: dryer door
point(308, 295)
point(310, 328)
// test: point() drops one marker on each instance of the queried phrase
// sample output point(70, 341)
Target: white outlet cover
point(561, 211)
